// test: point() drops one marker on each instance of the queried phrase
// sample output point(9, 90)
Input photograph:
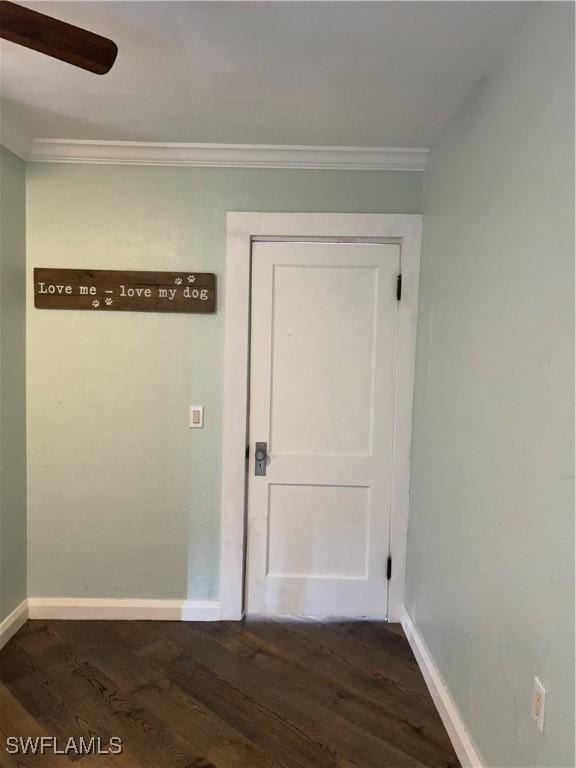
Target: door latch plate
point(260, 458)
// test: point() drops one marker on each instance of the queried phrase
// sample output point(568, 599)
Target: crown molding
point(227, 155)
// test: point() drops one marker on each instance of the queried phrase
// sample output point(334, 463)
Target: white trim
point(411, 233)
point(455, 726)
point(227, 155)
point(122, 609)
point(200, 610)
point(242, 228)
point(13, 622)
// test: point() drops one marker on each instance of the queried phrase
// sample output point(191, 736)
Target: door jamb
point(241, 230)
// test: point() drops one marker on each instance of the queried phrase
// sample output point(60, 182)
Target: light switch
point(196, 416)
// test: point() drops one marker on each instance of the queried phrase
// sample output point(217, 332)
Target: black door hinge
point(399, 287)
point(389, 568)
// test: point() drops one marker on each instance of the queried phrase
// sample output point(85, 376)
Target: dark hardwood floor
point(223, 695)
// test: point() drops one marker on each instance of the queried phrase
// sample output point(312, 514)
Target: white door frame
point(242, 229)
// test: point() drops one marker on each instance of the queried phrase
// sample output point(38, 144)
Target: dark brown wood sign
point(112, 290)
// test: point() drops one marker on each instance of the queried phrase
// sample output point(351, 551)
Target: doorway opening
point(319, 367)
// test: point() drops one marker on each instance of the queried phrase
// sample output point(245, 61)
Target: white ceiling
point(313, 73)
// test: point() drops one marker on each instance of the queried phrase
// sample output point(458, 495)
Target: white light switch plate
point(196, 416)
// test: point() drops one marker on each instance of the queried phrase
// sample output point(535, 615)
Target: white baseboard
point(13, 622)
point(447, 709)
point(77, 608)
point(201, 610)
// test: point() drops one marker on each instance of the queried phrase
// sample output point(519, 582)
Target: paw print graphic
point(96, 303)
point(178, 280)
point(191, 278)
point(108, 302)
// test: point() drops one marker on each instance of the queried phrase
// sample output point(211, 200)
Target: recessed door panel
point(308, 525)
point(321, 396)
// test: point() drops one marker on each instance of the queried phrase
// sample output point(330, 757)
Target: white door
point(323, 370)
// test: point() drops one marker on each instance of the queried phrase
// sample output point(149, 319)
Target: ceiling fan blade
point(56, 38)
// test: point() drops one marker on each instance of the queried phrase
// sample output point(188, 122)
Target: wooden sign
point(111, 290)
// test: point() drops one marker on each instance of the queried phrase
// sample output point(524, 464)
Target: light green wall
point(12, 383)
point(491, 533)
point(123, 496)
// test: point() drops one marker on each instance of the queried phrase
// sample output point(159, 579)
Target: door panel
point(307, 525)
point(308, 361)
point(323, 351)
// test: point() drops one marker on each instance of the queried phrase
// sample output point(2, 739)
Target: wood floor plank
point(379, 634)
point(111, 711)
point(49, 704)
point(222, 744)
point(15, 721)
point(396, 629)
point(298, 672)
point(294, 746)
point(399, 672)
point(94, 641)
point(305, 711)
point(221, 695)
point(374, 675)
point(387, 655)
point(177, 709)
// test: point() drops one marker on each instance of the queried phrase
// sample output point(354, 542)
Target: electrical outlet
point(538, 704)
